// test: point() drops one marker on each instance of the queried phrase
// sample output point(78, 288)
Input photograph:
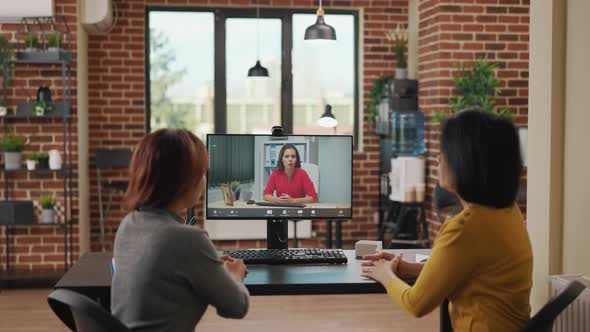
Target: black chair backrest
point(543, 320)
point(114, 158)
point(443, 199)
point(81, 314)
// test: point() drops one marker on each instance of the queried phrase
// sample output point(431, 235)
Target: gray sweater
point(166, 274)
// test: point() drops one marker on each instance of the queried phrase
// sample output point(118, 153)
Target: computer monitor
point(279, 178)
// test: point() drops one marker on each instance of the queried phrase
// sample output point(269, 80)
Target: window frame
point(219, 55)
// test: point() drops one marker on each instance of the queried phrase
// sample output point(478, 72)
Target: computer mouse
point(250, 201)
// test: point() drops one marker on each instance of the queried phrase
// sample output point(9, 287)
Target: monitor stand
point(277, 236)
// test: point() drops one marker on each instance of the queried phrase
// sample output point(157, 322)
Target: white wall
point(558, 201)
point(576, 226)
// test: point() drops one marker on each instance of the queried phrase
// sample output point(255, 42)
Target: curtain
point(231, 158)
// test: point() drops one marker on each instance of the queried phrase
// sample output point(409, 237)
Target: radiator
point(576, 317)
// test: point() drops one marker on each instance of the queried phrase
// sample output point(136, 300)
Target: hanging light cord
point(257, 33)
point(320, 11)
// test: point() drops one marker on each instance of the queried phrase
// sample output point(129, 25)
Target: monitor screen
point(279, 177)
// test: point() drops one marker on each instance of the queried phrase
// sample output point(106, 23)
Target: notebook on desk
point(299, 205)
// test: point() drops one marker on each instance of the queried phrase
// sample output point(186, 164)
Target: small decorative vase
point(401, 73)
point(44, 94)
point(31, 165)
point(12, 160)
point(246, 196)
point(55, 160)
point(47, 216)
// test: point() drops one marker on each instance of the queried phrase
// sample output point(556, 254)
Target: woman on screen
point(482, 259)
point(166, 273)
point(290, 183)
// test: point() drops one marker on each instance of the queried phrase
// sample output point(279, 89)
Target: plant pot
point(31, 165)
point(53, 49)
point(31, 49)
point(47, 216)
point(39, 110)
point(44, 163)
point(12, 160)
point(401, 73)
point(236, 194)
point(3, 110)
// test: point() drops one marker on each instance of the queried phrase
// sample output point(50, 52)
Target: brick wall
point(451, 32)
point(39, 247)
point(454, 33)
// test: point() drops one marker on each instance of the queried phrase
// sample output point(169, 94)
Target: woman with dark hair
point(167, 273)
point(482, 258)
point(289, 181)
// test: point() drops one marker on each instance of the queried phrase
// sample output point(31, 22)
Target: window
point(181, 71)
point(253, 104)
point(199, 58)
point(324, 74)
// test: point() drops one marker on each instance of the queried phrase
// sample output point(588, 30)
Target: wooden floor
point(27, 310)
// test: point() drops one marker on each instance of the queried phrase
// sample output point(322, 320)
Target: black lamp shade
point(328, 120)
point(257, 70)
point(320, 30)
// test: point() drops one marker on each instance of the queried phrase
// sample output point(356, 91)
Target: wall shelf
point(38, 170)
point(43, 57)
point(60, 110)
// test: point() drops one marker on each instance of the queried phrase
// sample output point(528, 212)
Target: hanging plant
point(375, 96)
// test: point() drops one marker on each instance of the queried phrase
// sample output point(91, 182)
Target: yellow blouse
point(482, 262)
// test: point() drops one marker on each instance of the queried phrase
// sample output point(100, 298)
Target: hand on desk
point(285, 198)
point(381, 270)
point(235, 267)
point(403, 269)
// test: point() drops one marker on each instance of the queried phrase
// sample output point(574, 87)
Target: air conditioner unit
point(99, 16)
point(14, 11)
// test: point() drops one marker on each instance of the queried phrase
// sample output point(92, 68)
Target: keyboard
point(298, 205)
point(289, 256)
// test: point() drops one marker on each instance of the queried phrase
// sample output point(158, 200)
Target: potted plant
point(12, 147)
point(55, 41)
point(399, 37)
point(31, 42)
point(48, 209)
point(43, 158)
point(41, 107)
point(477, 86)
point(31, 160)
point(235, 188)
point(6, 67)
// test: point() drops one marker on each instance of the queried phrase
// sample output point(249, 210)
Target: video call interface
point(279, 177)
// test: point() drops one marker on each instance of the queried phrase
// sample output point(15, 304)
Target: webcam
point(277, 131)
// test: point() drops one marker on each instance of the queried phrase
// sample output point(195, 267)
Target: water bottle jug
point(407, 129)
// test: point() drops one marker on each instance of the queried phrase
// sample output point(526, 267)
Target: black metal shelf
point(44, 57)
point(58, 224)
point(38, 170)
point(60, 110)
point(26, 110)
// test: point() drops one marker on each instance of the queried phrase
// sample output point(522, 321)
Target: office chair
point(446, 204)
point(81, 314)
point(542, 321)
point(109, 159)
